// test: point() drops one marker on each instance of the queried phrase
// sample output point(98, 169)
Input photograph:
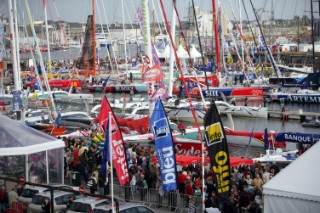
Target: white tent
point(38, 151)
point(194, 53)
point(296, 188)
point(181, 52)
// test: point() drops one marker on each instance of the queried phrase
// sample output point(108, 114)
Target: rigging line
point(108, 54)
point(59, 43)
point(113, 52)
point(125, 5)
point(180, 69)
point(181, 29)
point(254, 38)
point(231, 34)
point(242, 38)
point(202, 56)
point(285, 3)
point(157, 18)
point(63, 30)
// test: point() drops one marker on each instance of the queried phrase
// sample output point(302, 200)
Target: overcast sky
point(78, 10)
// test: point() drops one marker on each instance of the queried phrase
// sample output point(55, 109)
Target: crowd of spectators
point(246, 181)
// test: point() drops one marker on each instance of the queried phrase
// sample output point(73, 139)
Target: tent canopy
point(18, 139)
point(296, 187)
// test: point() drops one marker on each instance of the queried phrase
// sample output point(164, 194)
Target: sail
point(218, 150)
point(87, 53)
point(164, 147)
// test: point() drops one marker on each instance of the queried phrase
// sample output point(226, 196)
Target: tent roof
point(299, 179)
point(181, 52)
point(19, 139)
point(194, 53)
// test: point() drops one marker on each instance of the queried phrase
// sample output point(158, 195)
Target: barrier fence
point(152, 198)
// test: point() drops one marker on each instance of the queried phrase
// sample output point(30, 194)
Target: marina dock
point(293, 115)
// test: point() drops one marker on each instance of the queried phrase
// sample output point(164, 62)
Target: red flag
point(104, 112)
point(118, 151)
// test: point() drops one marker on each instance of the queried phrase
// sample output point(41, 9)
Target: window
point(130, 210)
point(29, 193)
point(38, 199)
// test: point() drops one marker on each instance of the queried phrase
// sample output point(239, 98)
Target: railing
point(152, 198)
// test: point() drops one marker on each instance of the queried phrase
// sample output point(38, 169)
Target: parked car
point(87, 204)
point(28, 193)
point(127, 208)
point(60, 200)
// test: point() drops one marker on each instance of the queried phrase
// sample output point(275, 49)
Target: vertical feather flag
point(266, 139)
point(164, 147)
point(106, 152)
point(118, 153)
point(218, 150)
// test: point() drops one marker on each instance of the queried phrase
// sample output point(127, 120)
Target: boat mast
point(216, 35)
point(17, 85)
point(17, 38)
point(124, 38)
point(171, 63)
point(312, 37)
point(199, 40)
point(94, 39)
point(48, 40)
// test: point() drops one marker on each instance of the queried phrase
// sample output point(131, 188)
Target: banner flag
point(218, 150)
point(164, 147)
point(118, 153)
point(297, 137)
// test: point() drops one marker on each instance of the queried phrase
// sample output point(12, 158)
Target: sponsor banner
point(218, 150)
point(118, 152)
point(152, 74)
point(296, 137)
point(164, 147)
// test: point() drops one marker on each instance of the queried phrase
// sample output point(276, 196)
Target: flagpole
point(111, 160)
point(203, 182)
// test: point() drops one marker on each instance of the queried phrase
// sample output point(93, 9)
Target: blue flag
point(266, 139)
point(164, 147)
point(106, 152)
point(135, 63)
point(105, 81)
point(58, 120)
point(251, 135)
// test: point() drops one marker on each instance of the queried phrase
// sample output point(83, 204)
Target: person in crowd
point(46, 206)
point(257, 182)
point(181, 182)
point(3, 199)
point(244, 199)
point(182, 128)
point(70, 201)
point(192, 207)
point(12, 197)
